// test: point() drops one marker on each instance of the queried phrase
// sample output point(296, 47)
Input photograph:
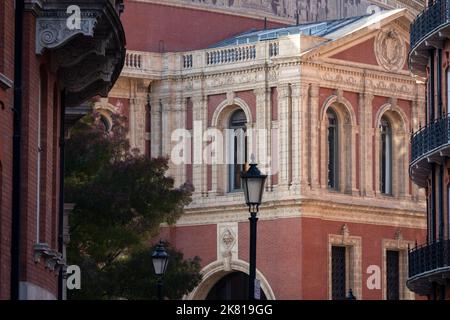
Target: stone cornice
point(308, 208)
point(5, 82)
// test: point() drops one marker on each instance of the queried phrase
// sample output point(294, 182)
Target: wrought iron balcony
point(430, 19)
point(430, 141)
point(428, 263)
point(427, 30)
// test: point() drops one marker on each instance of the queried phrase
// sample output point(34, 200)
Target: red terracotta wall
point(278, 254)
point(315, 254)
point(193, 241)
point(156, 27)
point(362, 53)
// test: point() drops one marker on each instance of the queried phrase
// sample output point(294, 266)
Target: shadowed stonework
point(309, 10)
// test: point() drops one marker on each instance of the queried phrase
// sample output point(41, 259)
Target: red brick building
point(53, 57)
point(339, 211)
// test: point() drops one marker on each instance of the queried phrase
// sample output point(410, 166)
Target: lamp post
point(350, 295)
point(160, 260)
point(253, 184)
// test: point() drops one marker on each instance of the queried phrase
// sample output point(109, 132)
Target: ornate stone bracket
point(75, 52)
point(52, 31)
point(53, 259)
point(87, 57)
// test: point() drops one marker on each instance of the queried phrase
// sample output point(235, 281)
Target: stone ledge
point(5, 82)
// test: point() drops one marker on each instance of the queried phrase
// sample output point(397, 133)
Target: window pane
point(333, 152)
point(386, 157)
point(338, 272)
point(392, 275)
point(237, 149)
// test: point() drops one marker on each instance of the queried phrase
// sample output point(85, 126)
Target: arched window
point(333, 150)
point(386, 157)
point(237, 149)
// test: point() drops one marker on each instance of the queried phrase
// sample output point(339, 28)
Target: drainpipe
point(61, 193)
point(17, 110)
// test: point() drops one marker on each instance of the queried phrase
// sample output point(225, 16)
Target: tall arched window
point(333, 150)
point(237, 149)
point(386, 157)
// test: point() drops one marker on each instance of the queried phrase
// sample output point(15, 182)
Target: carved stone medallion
point(390, 50)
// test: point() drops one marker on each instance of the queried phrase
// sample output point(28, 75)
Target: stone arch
point(214, 271)
point(345, 111)
point(106, 110)
point(400, 148)
point(347, 138)
point(226, 108)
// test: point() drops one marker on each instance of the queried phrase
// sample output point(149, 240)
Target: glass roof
point(319, 29)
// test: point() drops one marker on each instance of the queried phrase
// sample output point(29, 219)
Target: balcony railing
point(429, 257)
point(429, 20)
point(430, 137)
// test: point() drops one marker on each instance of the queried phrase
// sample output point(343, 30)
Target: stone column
point(314, 163)
point(166, 125)
point(260, 135)
point(296, 130)
point(283, 106)
point(137, 110)
point(367, 142)
point(304, 137)
point(155, 134)
point(179, 111)
point(198, 168)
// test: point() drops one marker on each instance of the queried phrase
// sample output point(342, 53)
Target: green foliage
point(121, 198)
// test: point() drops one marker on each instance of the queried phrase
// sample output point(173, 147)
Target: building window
point(333, 150)
point(338, 272)
point(392, 275)
point(386, 157)
point(237, 149)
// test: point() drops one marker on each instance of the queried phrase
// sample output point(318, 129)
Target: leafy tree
point(121, 197)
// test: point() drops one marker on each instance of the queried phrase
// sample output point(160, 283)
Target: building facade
point(326, 109)
point(429, 272)
point(53, 57)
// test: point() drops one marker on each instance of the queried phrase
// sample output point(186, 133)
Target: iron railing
point(429, 257)
point(430, 137)
point(434, 16)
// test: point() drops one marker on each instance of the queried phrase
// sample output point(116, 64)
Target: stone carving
point(227, 248)
point(311, 10)
point(52, 31)
point(345, 232)
point(74, 52)
point(390, 51)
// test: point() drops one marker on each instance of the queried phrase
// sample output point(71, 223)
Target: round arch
point(225, 108)
point(400, 131)
point(387, 110)
point(214, 271)
point(347, 129)
point(340, 101)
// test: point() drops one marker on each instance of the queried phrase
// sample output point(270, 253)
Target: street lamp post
point(253, 184)
point(160, 260)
